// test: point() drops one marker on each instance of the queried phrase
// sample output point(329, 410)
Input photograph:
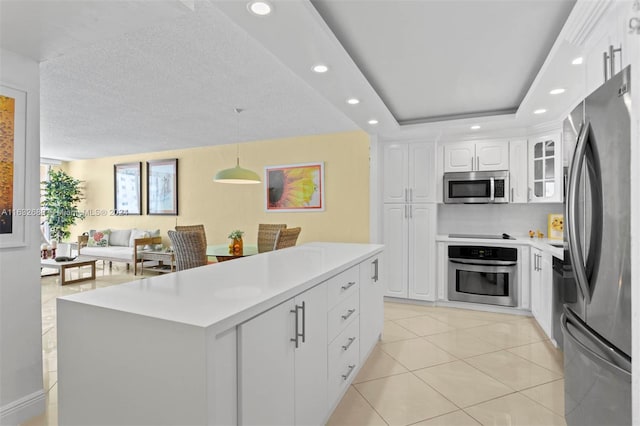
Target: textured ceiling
point(434, 60)
point(174, 85)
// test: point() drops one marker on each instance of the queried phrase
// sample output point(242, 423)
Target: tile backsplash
point(514, 219)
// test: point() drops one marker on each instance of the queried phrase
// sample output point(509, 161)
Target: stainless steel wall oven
point(483, 275)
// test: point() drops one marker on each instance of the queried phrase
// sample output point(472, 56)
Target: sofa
point(118, 245)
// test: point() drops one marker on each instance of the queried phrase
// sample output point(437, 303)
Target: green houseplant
point(61, 196)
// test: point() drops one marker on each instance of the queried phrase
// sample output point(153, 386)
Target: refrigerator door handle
point(575, 250)
point(569, 317)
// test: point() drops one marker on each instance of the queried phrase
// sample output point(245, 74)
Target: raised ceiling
point(435, 60)
point(166, 74)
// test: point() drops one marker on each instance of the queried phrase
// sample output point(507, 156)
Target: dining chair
point(267, 234)
point(287, 238)
point(190, 249)
point(195, 228)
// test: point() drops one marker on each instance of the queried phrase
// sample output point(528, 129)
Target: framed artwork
point(295, 187)
point(127, 193)
point(13, 141)
point(556, 226)
point(162, 187)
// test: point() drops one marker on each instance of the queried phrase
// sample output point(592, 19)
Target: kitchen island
point(272, 339)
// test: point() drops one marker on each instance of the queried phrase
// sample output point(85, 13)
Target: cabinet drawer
point(342, 285)
point(342, 374)
point(343, 346)
point(343, 314)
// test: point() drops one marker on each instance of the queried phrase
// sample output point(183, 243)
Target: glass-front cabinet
point(546, 181)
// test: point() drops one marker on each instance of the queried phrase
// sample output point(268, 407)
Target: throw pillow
point(135, 234)
point(119, 237)
point(99, 238)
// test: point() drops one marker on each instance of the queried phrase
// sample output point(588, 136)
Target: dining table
point(221, 252)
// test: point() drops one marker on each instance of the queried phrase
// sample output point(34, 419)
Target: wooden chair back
point(287, 238)
point(190, 249)
point(267, 235)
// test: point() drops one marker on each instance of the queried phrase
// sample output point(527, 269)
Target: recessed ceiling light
point(556, 91)
point(577, 61)
point(373, 122)
point(475, 127)
point(320, 68)
point(540, 111)
point(353, 101)
point(260, 8)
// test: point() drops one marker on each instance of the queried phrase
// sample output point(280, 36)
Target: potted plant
point(235, 247)
point(61, 196)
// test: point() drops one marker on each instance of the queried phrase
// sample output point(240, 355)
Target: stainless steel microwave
point(476, 187)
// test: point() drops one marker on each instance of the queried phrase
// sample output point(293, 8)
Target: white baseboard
point(23, 409)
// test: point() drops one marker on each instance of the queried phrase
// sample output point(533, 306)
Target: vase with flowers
point(235, 248)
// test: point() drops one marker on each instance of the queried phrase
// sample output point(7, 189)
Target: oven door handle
point(481, 262)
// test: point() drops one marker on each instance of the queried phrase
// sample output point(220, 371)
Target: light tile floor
point(434, 366)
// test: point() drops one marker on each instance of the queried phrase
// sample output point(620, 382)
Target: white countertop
point(225, 294)
point(543, 244)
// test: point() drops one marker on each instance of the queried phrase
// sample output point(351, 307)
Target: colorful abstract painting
point(296, 187)
point(7, 126)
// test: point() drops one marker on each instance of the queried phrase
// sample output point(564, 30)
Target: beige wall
point(224, 207)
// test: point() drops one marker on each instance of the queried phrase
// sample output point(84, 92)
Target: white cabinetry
point(287, 346)
point(409, 235)
point(518, 171)
point(371, 304)
point(541, 284)
point(608, 47)
point(545, 169)
point(476, 156)
point(409, 173)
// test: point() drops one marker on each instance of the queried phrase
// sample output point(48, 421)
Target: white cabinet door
point(545, 169)
point(422, 252)
point(518, 171)
point(310, 357)
point(422, 172)
point(371, 304)
point(459, 157)
point(266, 341)
point(546, 284)
point(395, 240)
point(541, 288)
point(395, 177)
point(492, 155)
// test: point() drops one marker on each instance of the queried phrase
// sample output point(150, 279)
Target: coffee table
point(78, 262)
point(221, 252)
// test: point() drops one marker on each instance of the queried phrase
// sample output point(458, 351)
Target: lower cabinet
point(283, 363)
point(371, 304)
point(296, 360)
point(541, 284)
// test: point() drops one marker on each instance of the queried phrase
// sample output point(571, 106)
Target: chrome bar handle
point(348, 345)
point(473, 162)
point(410, 194)
point(612, 62)
point(492, 182)
point(351, 368)
point(605, 58)
point(410, 211)
point(348, 285)
point(406, 195)
point(375, 273)
point(295, 339)
point(348, 314)
point(304, 321)
point(511, 195)
point(575, 250)
point(477, 163)
point(529, 191)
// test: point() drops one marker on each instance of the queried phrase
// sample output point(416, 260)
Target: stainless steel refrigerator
point(596, 320)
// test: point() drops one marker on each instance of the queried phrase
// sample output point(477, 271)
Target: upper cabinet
point(518, 179)
point(608, 47)
point(546, 181)
point(476, 156)
point(409, 172)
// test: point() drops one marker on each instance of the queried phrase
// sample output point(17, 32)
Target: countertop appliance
point(483, 275)
point(597, 326)
point(476, 187)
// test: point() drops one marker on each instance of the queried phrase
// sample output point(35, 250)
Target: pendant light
point(237, 174)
